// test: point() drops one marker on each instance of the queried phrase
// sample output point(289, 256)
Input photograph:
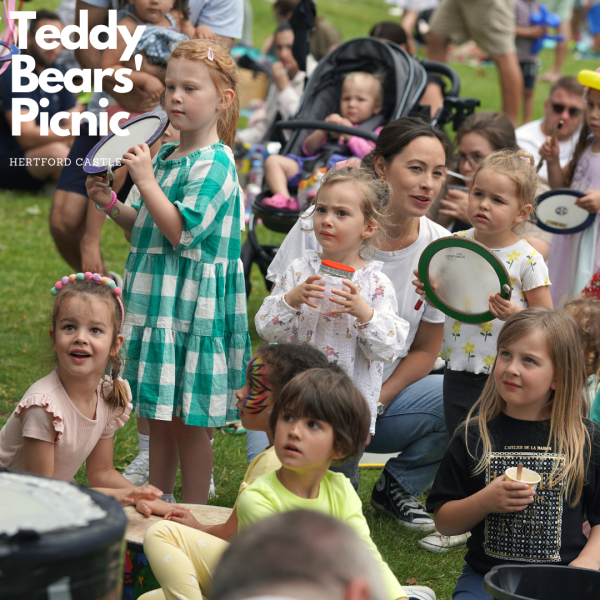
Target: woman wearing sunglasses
point(565, 103)
point(479, 136)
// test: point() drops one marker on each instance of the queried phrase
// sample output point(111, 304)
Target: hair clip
point(351, 162)
point(210, 55)
point(526, 159)
point(94, 278)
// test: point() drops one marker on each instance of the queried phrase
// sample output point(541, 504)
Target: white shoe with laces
point(138, 470)
point(436, 542)
point(420, 592)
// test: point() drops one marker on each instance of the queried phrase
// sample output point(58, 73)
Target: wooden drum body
point(137, 575)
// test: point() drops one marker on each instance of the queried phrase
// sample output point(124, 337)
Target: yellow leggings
point(182, 560)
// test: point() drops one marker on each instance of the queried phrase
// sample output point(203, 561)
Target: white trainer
point(138, 470)
point(419, 591)
point(436, 542)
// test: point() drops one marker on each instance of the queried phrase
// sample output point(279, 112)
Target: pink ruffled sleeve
point(45, 422)
point(118, 416)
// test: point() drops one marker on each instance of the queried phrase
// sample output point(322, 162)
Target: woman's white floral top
point(358, 348)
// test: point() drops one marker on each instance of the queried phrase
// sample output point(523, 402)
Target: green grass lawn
point(30, 264)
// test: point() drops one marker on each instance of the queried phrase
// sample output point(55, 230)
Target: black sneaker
point(390, 497)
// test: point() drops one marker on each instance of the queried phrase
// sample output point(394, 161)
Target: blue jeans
point(256, 442)
point(470, 586)
point(414, 424)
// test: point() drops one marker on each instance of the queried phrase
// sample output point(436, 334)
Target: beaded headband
point(94, 278)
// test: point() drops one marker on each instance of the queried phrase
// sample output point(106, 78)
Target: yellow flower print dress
point(473, 346)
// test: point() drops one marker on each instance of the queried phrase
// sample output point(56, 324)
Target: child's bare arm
point(314, 141)
point(146, 77)
point(589, 557)
point(183, 23)
point(38, 457)
point(91, 258)
point(103, 197)
point(166, 215)
point(500, 496)
point(550, 153)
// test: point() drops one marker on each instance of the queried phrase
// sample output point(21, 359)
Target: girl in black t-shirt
point(530, 412)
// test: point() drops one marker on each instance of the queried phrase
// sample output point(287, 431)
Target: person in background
point(479, 135)
point(16, 173)
point(491, 25)
point(323, 38)
point(565, 102)
point(526, 34)
point(284, 92)
point(433, 96)
point(218, 20)
point(410, 16)
point(303, 555)
point(564, 9)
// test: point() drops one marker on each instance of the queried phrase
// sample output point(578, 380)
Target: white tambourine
point(147, 128)
point(558, 213)
point(460, 275)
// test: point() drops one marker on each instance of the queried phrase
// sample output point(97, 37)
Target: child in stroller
point(361, 100)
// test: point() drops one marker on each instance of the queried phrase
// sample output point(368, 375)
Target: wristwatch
point(380, 409)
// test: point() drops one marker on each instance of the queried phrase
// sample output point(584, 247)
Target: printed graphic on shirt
point(534, 534)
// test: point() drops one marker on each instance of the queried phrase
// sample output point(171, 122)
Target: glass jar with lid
point(332, 274)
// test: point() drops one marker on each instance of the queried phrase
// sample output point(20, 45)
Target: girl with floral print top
point(349, 219)
point(502, 196)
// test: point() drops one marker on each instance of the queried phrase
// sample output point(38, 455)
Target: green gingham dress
point(186, 330)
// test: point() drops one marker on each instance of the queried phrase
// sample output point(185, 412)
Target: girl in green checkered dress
point(186, 333)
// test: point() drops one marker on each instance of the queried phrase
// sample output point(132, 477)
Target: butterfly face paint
point(255, 402)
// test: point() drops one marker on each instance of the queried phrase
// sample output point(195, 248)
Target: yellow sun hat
point(591, 79)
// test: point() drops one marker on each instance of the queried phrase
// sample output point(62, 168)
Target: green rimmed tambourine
point(460, 275)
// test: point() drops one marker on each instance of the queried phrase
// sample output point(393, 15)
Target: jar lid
point(338, 266)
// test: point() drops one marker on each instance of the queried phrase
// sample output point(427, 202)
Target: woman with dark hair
point(411, 155)
point(479, 136)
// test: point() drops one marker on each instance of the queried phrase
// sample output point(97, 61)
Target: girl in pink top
point(70, 415)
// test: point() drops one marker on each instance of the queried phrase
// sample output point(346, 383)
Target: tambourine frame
point(587, 223)
point(468, 244)
point(101, 169)
point(13, 51)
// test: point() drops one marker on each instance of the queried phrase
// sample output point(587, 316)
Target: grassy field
point(29, 266)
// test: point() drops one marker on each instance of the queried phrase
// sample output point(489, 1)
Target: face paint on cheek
point(254, 402)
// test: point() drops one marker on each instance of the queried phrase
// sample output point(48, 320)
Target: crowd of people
point(340, 371)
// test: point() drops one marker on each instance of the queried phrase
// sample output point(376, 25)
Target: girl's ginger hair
point(115, 394)
point(519, 167)
point(586, 313)
point(566, 407)
point(224, 74)
point(375, 194)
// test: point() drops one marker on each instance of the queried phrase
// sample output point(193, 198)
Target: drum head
point(7, 51)
point(557, 212)
point(43, 505)
point(460, 275)
point(146, 128)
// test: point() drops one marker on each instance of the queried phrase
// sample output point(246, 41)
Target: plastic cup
point(528, 477)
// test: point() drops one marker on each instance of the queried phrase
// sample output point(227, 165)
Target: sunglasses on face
point(473, 160)
point(559, 109)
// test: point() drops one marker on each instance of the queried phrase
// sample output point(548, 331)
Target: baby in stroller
point(361, 100)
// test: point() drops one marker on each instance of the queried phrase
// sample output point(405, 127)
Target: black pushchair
point(405, 80)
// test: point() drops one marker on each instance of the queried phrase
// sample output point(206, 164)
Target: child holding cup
point(357, 324)
point(530, 413)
